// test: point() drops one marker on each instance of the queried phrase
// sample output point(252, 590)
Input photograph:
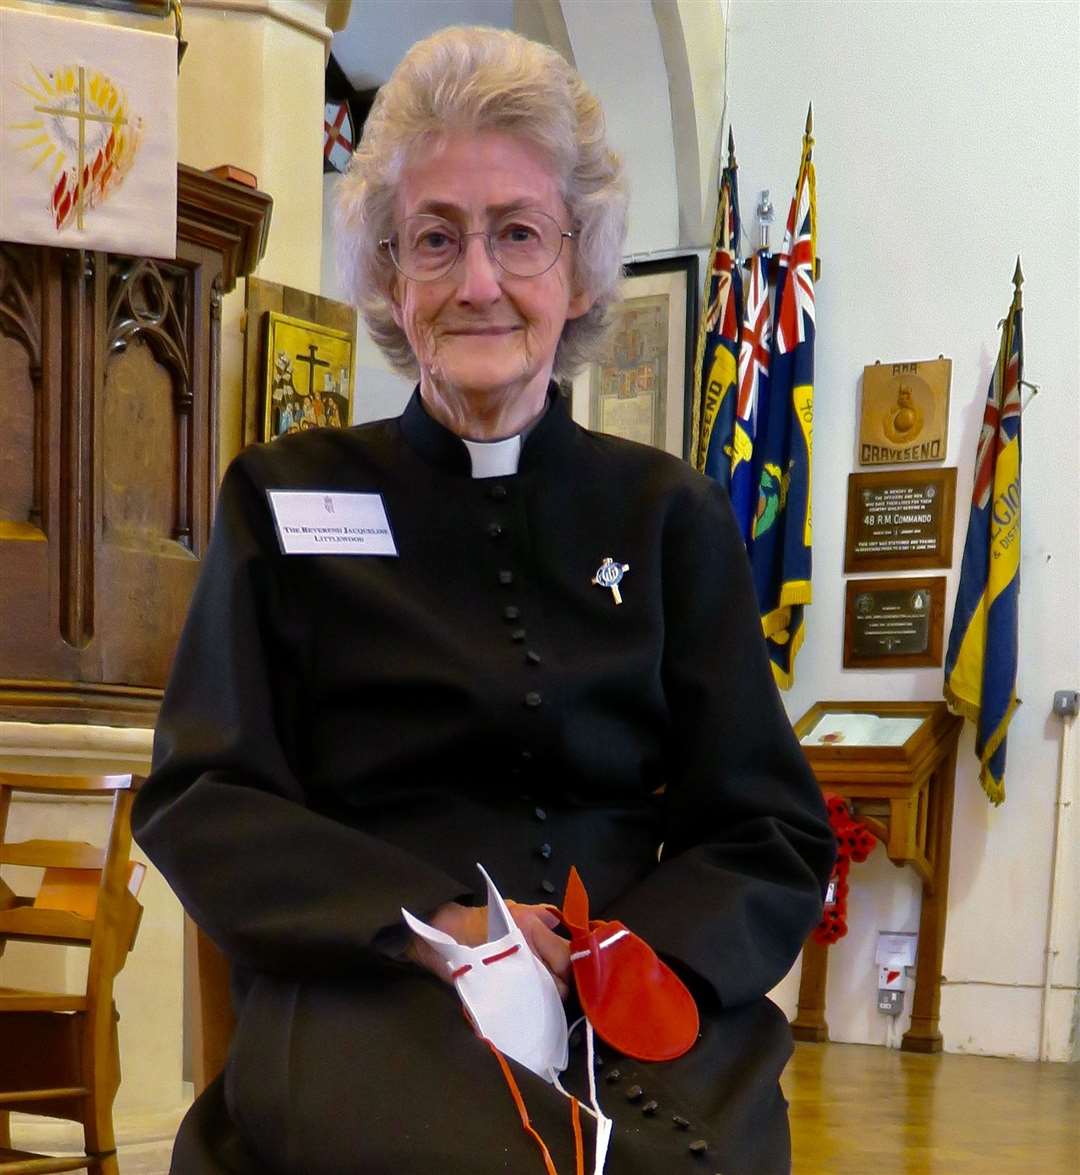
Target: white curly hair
point(481, 79)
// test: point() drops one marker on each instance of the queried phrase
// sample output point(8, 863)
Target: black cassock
point(344, 735)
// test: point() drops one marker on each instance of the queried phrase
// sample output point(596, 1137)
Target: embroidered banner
point(87, 135)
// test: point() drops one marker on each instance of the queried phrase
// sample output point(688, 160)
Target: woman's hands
point(468, 925)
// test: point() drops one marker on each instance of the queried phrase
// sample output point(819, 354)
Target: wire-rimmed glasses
point(524, 243)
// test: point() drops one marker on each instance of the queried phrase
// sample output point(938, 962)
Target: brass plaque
point(905, 412)
point(900, 520)
point(893, 623)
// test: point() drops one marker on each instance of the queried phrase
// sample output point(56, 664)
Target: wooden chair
point(212, 1017)
point(59, 1054)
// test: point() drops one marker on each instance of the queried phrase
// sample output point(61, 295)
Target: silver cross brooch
point(609, 575)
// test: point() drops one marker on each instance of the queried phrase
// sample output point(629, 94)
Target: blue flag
point(716, 367)
point(780, 552)
point(980, 667)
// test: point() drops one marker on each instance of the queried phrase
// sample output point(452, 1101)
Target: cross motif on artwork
point(84, 116)
point(312, 362)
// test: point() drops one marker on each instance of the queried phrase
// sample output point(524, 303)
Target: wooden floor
point(855, 1110)
point(860, 1110)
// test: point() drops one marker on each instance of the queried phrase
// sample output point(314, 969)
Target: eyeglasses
point(525, 243)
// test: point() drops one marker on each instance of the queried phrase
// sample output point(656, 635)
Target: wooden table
point(904, 794)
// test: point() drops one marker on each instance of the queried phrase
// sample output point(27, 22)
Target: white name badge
point(311, 522)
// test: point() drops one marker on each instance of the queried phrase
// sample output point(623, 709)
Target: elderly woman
point(401, 661)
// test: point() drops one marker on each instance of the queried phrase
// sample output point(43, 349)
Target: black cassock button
point(612, 1076)
point(533, 657)
point(698, 1147)
point(518, 635)
point(650, 1108)
point(506, 578)
point(634, 1093)
point(533, 699)
point(544, 851)
point(494, 530)
point(526, 756)
point(682, 1123)
point(497, 493)
point(547, 887)
point(511, 612)
point(540, 814)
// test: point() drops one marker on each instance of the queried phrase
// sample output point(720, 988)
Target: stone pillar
point(251, 94)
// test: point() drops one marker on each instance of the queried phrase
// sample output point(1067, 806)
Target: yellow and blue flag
point(780, 550)
point(716, 366)
point(980, 668)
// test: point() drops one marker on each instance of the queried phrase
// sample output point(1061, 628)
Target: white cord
point(603, 1124)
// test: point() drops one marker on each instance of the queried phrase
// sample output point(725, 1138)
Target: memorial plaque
point(905, 412)
point(900, 520)
point(893, 623)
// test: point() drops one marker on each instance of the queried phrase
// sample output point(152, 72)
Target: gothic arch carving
point(148, 302)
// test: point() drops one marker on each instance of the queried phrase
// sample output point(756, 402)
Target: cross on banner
point(84, 116)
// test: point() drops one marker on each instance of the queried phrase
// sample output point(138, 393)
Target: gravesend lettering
point(927, 451)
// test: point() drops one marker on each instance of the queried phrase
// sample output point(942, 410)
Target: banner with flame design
point(87, 135)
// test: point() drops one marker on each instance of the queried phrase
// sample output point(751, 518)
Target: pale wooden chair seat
point(59, 1052)
point(17, 999)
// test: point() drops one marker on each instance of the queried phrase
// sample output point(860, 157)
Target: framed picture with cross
point(308, 376)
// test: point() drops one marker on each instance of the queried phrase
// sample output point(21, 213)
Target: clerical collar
point(494, 458)
point(547, 437)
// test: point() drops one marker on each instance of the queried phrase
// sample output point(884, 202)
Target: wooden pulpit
point(900, 784)
point(109, 390)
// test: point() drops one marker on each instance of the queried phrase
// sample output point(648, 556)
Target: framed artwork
point(641, 386)
point(307, 376)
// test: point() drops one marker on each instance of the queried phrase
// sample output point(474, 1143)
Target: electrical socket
point(890, 1002)
point(1067, 703)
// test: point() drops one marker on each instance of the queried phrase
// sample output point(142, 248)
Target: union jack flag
point(754, 351)
point(1000, 425)
point(792, 315)
point(752, 389)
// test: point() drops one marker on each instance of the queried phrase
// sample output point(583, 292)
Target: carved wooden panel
point(21, 458)
point(108, 401)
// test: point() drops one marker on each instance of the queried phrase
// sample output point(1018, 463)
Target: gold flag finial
point(731, 148)
point(810, 119)
point(1018, 275)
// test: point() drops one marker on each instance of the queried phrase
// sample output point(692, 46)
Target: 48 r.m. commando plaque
point(900, 520)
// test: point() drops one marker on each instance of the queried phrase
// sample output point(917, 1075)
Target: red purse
point(634, 1001)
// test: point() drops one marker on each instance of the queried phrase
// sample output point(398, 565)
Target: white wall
point(947, 139)
point(947, 143)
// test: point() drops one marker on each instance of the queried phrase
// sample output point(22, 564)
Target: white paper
point(314, 522)
point(73, 90)
point(861, 730)
point(509, 994)
point(896, 948)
